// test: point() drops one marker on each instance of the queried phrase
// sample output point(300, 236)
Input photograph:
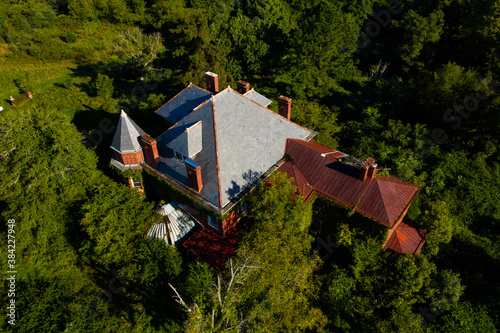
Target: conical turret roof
point(127, 136)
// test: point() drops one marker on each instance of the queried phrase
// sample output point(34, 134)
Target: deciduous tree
point(138, 48)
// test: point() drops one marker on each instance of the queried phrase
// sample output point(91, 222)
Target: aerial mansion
point(221, 144)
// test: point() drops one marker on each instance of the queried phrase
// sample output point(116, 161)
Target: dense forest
point(414, 84)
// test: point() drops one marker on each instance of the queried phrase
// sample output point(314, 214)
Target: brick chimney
point(284, 106)
point(372, 170)
point(150, 150)
point(242, 87)
point(212, 80)
point(367, 169)
point(194, 174)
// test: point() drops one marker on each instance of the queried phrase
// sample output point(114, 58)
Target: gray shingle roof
point(127, 136)
point(258, 98)
point(241, 141)
point(189, 142)
point(250, 140)
point(183, 103)
point(207, 157)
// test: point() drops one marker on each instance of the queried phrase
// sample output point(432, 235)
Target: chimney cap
point(242, 86)
point(284, 99)
point(212, 81)
point(370, 162)
point(211, 74)
point(148, 139)
point(191, 162)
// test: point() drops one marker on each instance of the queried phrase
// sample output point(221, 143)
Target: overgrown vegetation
point(420, 94)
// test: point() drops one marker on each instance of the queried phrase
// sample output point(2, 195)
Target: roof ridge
point(251, 100)
point(191, 85)
point(125, 128)
point(383, 201)
point(211, 99)
point(195, 109)
point(308, 144)
point(216, 154)
point(251, 90)
point(180, 92)
point(400, 233)
point(398, 242)
point(394, 179)
point(399, 183)
point(197, 86)
point(301, 174)
point(227, 89)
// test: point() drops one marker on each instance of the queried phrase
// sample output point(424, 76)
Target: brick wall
point(230, 221)
point(129, 158)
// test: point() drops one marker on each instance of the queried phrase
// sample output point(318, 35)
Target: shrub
point(69, 37)
point(35, 51)
point(103, 86)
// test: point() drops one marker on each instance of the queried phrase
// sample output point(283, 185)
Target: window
point(214, 223)
point(243, 209)
point(179, 156)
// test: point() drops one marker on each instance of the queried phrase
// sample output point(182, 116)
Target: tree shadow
point(123, 79)
point(237, 191)
point(98, 128)
point(97, 125)
point(479, 271)
point(234, 190)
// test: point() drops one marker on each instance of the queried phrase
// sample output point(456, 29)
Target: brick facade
point(150, 150)
point(230, 222)
point(129, 158)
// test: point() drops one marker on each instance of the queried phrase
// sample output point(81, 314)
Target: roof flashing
point(191, 162)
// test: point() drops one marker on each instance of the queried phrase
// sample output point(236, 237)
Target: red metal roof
point(298, 179)
point(405, 238)
point(382, 198)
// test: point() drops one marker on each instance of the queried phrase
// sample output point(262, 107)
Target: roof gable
point(183, 103)
point(257, 98)
point(127, 136)
point(389, 199)
point(298, 179)
point(405, 238)
point(189, 142)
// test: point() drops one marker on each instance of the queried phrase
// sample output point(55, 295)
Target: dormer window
point(179, 156)
point(188, 143)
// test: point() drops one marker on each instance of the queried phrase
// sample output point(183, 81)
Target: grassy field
point(65, 83)
point(47, 81)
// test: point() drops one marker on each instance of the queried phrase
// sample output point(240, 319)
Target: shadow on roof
point(344, 168)
point(249, 177)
